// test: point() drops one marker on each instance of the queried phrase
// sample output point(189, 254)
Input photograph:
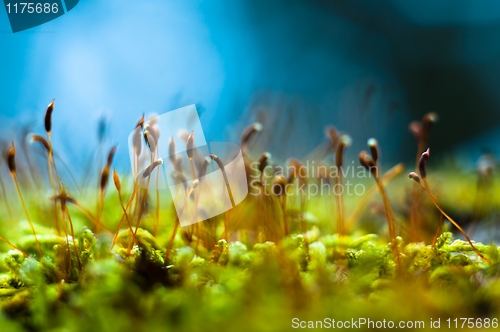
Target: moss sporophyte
point(78, 254)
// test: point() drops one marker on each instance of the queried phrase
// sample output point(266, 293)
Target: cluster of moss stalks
point(254, 268)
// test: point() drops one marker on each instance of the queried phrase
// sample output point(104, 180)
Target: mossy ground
point(246, 284)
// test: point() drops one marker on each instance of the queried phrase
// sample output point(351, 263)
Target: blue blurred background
point(367, 67)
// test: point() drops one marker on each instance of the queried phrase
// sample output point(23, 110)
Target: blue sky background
point(108, 57)
point(125, 58)
point(366, 67)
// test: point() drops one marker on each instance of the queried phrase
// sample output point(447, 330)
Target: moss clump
point(276, 282)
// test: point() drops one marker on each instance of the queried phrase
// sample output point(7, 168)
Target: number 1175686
point(32, 8)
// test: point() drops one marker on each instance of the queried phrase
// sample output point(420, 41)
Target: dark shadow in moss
point(150, 271)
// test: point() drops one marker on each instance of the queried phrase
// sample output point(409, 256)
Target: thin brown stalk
point(157, 212)
point(131, 199)
point(438, 206)
point(171, 241)
point(89, 216)
point(65, 230)
point(63, 199)
point(299, 175)
point(190, 153)
point(100, 201)
point(421, 131)
point(229, 191)
point(299, 172)
point(142, 200)
point(344, 142)
point(42, 141)
point(104, 185)
point(145, 174)
point(150, 136)
point(387, 178)
point(263, 163)
point(367, 162)
point(14, 247)
point(67, 215)
point(388, 210)
point(82, 209)
point(226, 181)
point(434, 199)
point(438, 230)
point(51, 166)
point(116, 180)
point(47, 146)
point(391, 222)
point(11, 163)
point(279, 190)
point(176, 223)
